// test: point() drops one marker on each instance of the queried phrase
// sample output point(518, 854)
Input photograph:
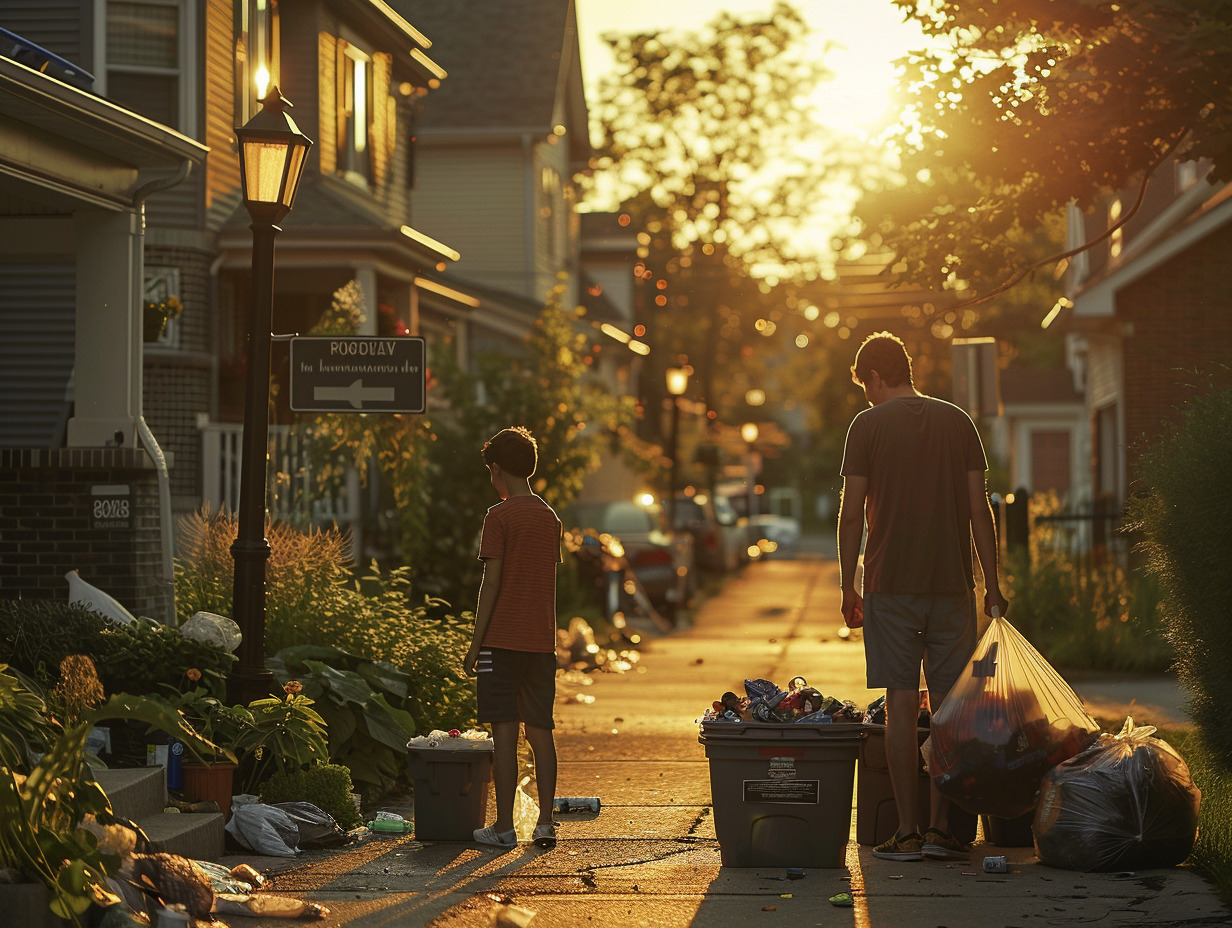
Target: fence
point(1093, 532)
point(291, 493)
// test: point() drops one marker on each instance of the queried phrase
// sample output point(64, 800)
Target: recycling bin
point(451, 791)
point(876, 810)
point(781, 793)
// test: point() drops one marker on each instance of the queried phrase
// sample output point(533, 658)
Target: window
point(257, 54)
point(354, 113)
point(161, 283)
point(146, 58)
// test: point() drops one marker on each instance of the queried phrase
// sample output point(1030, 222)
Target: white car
point(780, 531)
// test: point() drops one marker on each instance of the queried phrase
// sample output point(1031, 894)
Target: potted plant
point(157, 314)
point(51, 809)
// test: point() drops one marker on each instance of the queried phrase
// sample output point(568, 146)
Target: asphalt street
point(651, 857)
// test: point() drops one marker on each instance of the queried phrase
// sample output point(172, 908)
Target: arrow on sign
point(356, 394)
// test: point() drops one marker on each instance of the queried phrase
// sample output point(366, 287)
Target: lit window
point(256, 55)
point(355, 114)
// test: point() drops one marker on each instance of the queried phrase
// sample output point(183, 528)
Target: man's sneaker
point(900, 847)
point(489, 835)
point(545, 835)
point(938, 845)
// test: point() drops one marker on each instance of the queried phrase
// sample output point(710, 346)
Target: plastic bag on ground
point(213, 629)
point(264, 829)
point(1128, 802)
point(525, 812)
point(1008, 720)
point(96, 600)
point(317, 828)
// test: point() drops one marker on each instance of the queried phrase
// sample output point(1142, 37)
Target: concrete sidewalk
point(651, 858)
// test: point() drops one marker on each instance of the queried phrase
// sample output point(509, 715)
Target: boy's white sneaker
point(489, 835)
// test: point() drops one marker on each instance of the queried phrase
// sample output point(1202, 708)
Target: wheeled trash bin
point(451, 791)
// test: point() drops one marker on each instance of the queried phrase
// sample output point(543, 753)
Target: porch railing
point(291, 492)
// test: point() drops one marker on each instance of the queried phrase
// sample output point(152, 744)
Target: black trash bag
point(317, 828)
point(1128, 802)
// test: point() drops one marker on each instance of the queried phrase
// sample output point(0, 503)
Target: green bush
point(326, 786)
point(1212, 852)
point(140, 657)
point(1185, 518)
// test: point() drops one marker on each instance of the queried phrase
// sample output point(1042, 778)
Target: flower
point(193, 674)
point(292, 687)
point(165, 309)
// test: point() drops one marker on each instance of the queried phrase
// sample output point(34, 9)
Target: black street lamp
point(677, 383)
point(272, 155)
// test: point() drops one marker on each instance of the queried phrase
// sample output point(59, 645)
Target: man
point(913, 466)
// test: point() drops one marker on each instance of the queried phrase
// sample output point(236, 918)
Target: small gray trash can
point(451, 792)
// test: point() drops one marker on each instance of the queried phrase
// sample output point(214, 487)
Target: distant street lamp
point(677, 383)
point(272, 156)
point(749, 432)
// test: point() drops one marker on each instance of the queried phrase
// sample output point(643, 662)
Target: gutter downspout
point(148, 441)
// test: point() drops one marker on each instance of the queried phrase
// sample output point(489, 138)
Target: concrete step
point(195, 835)
point(134, 792)
point(140, 795)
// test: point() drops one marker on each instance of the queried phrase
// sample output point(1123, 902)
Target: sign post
point(358, 374)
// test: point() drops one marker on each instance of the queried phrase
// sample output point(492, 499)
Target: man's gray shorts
point(903, 630)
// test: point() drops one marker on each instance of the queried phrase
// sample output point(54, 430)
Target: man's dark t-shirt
point(916, 452)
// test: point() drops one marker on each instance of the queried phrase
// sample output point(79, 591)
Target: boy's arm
point(984, 535)
point(850, 534)
point(488, 589)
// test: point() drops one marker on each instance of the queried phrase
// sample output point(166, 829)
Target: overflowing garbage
point(1008, 720)
point(765, 701)
point(473, 739)
point(1127, 802)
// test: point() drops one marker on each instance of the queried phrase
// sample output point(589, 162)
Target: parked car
point(661, 559)
point(720, 542)
point(782, 532)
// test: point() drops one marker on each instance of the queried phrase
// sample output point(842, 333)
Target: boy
point(513, 650)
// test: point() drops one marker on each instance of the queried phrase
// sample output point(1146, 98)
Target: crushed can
point(996, 865)
point(576, 804)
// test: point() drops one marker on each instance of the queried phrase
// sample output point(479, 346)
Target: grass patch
point(1212, 853)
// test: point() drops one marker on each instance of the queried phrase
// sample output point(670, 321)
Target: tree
point(713, 135)
point(1020, 107)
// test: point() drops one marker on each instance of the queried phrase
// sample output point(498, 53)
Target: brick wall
point(1181, 316)
point(59, 511)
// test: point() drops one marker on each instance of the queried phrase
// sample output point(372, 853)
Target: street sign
point(358, 374)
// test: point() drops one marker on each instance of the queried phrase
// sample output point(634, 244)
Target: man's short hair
point(886, 354)
point(513, 450)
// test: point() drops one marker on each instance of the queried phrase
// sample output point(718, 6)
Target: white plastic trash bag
point(95, 599)
point(264, 829)
point(214, 629)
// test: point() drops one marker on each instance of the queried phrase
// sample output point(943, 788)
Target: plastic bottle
point(390, 826)
point(576, 804)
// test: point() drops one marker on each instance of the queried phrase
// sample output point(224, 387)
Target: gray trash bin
point(781, 792)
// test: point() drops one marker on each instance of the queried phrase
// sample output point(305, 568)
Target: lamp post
point(748, 432)
point(272, 155)
point(677, 383)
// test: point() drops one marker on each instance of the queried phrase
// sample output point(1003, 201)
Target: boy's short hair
point(886, 354)
point(513, 450)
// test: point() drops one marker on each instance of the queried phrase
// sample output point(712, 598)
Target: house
point(85, 480)
point(496, 150)
point(1151, 316)
point(154, 134)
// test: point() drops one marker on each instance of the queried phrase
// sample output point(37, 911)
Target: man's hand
point(471, 659)
point(993, 600)
point(853, 608)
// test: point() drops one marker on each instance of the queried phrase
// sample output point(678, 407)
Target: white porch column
point(107, 368)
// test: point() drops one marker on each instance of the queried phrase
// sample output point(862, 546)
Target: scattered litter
point(769, 908)
point(842, 899)
point(795, 873)
point(269, 906)
point(509, 915)
point(473, 739)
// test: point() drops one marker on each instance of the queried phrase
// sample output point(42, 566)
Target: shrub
point(1185, 518)
point(137, 657)
point(1080, 611)
point(326, 786)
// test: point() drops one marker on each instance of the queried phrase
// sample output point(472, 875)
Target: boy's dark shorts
point(517, 686)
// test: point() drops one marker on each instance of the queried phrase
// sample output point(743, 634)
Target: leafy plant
point(41, 812)
point(1185, 517)
point(362, 703)
point(26, 727)
point(284, 735)
point(326, 786)
point(136, 657)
